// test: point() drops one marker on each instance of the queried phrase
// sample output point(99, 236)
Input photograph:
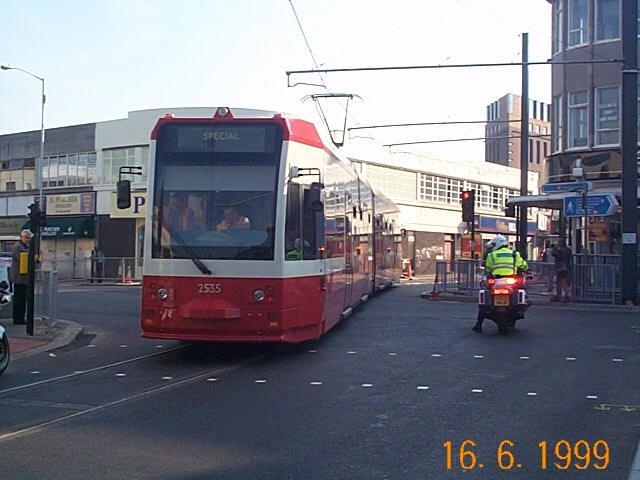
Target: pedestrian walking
point(562, 266)
point(19, 277)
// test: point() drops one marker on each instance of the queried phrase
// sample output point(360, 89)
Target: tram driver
point(233, 220)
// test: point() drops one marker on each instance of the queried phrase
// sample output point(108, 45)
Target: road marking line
point(524, 358)
point(316, 383)
point(91, 346)
point(123, 346)
point(592, 397)
point(121, 374)
point(478, 356)
point(422, 387)
point(35, 372)
point(476, 390)
point(392, 354)
point(260, 381)
point(77, 372)
point(91, 370)
point(212, 379)
point(618, 360)
point(159, 346)
point(312, 351)
point(532, 394)
point(167, 378)
point(571, 359)
point(146, 393)
point(367, 385)
point(436, 354)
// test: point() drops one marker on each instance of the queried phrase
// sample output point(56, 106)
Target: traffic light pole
point(524, 148)
point(34, 246)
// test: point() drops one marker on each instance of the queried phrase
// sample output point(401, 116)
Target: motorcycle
point(5, 350)
point(504, 300)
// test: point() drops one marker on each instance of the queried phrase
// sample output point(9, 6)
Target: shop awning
point(67, 227)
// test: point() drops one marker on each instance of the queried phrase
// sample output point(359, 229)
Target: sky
point(104, 58)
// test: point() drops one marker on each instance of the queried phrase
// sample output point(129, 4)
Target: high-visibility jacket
point(503, 262)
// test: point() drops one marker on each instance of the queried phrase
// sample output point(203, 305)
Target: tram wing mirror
point(293, 172)
point(315, 197)
point(123, 188)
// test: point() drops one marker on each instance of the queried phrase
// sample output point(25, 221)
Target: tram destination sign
point(597, 205)
point(225, 138)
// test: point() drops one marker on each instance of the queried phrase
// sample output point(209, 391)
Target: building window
point(557, 26)
point(607, 19)
point(578, 119)
point(557, 124)
point(607, 116)
point(11, 187)
point(530, 151)
point(578, 28)
point(115, 158)
point(69, 170)
point(546, 149)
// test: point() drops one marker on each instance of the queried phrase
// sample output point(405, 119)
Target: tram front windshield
point(214, 195)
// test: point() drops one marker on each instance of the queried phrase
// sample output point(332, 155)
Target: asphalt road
point(375, 398)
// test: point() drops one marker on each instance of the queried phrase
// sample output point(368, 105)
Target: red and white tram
point(258, 231)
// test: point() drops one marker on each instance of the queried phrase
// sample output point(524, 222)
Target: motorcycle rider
point(501, 261)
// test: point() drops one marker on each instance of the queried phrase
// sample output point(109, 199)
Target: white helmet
point(499, 241)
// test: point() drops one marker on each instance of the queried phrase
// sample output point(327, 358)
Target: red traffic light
point(466, 195)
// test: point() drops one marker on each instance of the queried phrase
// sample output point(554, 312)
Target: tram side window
point(292, 242)
point(312, 229)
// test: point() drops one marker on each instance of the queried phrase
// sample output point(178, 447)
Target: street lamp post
point(35, 221)
point(44, 99)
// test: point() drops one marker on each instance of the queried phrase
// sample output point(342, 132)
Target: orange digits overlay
point(559, 455)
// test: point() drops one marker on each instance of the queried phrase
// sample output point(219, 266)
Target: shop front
point(10, 229)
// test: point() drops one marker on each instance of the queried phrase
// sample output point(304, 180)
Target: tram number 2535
point(211, 288)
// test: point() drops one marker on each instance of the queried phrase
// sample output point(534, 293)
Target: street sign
point(597, 206)
point(565, 187)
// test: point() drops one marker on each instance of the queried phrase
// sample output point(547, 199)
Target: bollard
point(409, 273)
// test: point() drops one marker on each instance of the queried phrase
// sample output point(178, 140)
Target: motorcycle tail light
point(491, 281)
point(511, 281)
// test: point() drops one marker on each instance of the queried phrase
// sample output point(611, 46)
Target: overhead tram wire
point(463, 140)
point(322, 79)
point(453, 65)
point(419, 124)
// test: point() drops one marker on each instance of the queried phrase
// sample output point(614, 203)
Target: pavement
point(378, 397)
point(48, 335)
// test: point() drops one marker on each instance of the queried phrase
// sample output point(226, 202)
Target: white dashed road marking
point(618, 360)
point(312, 351)
point(121, 374)
point(367, 385)
point(478, 356)
point(351, 352)
point(571, 359)
point(35, 372)
point(392, 354)
point(436, 354)
point(592, 397)
point(524, 358)
point(167, 378)
point(212, 379)
point(260, 381)
point(532, 394)
point(316, 383)
point(123, 346)
point(423, 387)
point(476, 390)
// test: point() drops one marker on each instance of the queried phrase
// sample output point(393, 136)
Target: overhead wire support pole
point(629, 251)
point(524, 147)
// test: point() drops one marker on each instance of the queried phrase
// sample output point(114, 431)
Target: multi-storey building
point(502, 132)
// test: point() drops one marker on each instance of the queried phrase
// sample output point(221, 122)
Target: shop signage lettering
point(71, 204)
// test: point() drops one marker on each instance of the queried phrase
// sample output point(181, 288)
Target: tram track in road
point(89, 370)
point(202, 374)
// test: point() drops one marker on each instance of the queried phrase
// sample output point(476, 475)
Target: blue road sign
point(597, 206)
point(565, 187)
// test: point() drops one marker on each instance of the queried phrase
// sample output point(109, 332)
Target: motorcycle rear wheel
point(5, 353)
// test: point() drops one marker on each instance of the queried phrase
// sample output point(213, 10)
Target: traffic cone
point(409, 273)
point(128, 278)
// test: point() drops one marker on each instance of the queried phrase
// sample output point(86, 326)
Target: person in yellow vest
point(19, 277)
point(501, 261)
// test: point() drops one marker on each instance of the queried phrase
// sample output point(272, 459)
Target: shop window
point(607, 116)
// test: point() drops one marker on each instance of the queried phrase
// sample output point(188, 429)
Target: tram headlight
point(162, 293)
point(259, 295)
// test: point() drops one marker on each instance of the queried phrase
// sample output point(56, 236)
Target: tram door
point(349, 261)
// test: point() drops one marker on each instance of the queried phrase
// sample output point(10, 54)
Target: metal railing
point(592, 279)
point(108, 270)
point(46, 295)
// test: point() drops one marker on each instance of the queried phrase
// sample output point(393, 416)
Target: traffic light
point(35, 218)
point(510, 211)
point(468, 205)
